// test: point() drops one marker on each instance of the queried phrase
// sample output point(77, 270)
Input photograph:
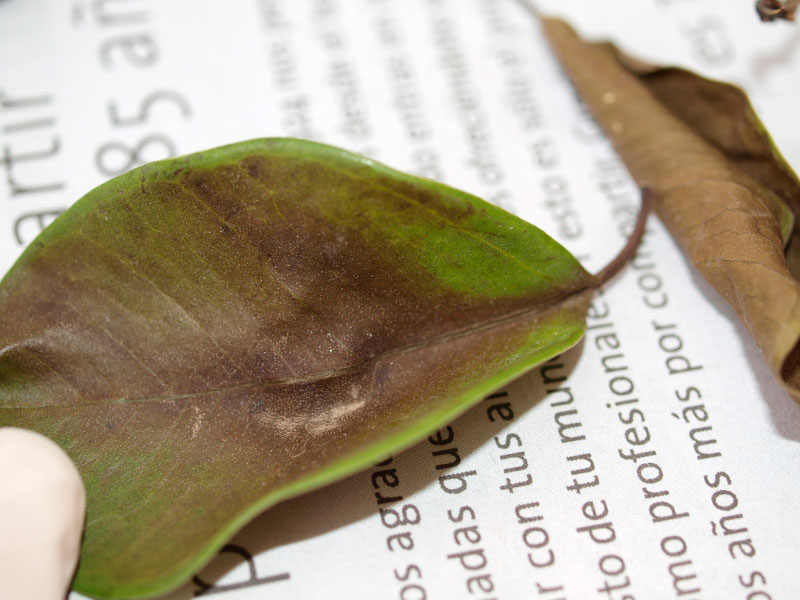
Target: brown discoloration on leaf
point(719, 184)
point(209, 335)
point(253, 438)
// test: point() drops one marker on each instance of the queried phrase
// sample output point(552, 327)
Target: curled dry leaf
point(718, 183)
point(209, 335)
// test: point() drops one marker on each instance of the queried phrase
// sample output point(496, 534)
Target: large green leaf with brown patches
point(209, 335)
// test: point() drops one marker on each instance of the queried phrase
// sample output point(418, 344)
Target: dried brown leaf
point(719, 184)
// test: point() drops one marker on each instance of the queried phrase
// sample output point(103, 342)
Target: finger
point(42, 504)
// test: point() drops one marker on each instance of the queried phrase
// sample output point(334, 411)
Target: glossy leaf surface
point(209, 335)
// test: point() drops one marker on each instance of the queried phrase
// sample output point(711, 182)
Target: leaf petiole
point(628, 251)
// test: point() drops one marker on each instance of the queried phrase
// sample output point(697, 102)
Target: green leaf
point(209, 335)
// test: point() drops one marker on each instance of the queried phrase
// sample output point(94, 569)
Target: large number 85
point(113, 158)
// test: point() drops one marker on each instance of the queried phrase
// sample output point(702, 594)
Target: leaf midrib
point(520, 314)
